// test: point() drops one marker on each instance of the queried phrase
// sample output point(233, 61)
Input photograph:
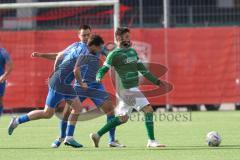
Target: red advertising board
point(203, 63)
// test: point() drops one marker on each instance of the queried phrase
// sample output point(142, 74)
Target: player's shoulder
point(72, 45)
point(77, 47)
point(114, 52)
point(131, 49)
point(80, 44)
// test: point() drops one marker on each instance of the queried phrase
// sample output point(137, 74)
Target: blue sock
point(111, 131)
point(23, 119)
point(1, 110)
point(63, 127)
point(70, 130)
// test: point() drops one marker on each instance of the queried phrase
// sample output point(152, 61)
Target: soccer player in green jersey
point(128, 65)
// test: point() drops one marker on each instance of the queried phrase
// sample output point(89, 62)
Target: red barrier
point(203, 63)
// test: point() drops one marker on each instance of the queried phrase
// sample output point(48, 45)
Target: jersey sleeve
point(82, 59)
point(108, 62)
point(66, 49)
point(101, 72)
point(106, 66)
point(5, 55)
point(146, 73)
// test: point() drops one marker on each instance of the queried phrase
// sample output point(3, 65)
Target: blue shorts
point(54, 98)
point(2, 88)
point(95, 92)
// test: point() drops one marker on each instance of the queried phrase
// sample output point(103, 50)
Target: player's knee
point(76, 107)
point(108, 108)
point(123, 119)
point(109, 112)
point(48, 114)
point(66, 115)
point(75, 111)
point(148, 109)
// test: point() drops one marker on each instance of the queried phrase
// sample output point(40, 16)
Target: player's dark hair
point(121, 31)
point(95, 40)
point(84, 27)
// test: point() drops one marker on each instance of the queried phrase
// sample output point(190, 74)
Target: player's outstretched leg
point(33, 115)
point(148, 114)
point(95, 137)
point(57, 142)
point(72, 120)
point(108, 108)
point(63, 126)
point(112, 142)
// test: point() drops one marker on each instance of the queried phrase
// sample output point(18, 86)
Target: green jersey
point(127, 65)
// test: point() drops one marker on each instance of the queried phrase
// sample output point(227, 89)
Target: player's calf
point(147, 109)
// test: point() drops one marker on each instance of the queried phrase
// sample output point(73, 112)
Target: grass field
point(184, 139)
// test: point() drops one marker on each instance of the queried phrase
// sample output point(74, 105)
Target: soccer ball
point(213, 139)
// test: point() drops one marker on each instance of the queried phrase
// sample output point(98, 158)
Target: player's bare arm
point(77, 71)
point(79, 79)
point(50, 56)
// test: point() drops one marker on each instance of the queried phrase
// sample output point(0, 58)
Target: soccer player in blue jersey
point(6, 66)
point(60, 88)
point(95, 91)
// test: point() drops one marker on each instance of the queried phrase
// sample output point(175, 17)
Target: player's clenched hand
point(99, 80)
point(35, 54)
point(161, 83)
point(165, 85)
point(84, 86)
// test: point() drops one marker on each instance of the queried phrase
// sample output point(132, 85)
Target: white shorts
point(130, 99)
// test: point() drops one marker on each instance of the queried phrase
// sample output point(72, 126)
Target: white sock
point(68, 137)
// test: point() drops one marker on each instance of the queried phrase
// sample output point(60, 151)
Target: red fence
point(203, 63)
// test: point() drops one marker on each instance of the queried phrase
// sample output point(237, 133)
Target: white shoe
point(12, 125)
point(95, 139)
point(57, 142)
point(116, 144)
point(154, 144)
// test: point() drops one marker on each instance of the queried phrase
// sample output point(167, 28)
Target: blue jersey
point(4, 58)
point(89, 65)
point(63, 76)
